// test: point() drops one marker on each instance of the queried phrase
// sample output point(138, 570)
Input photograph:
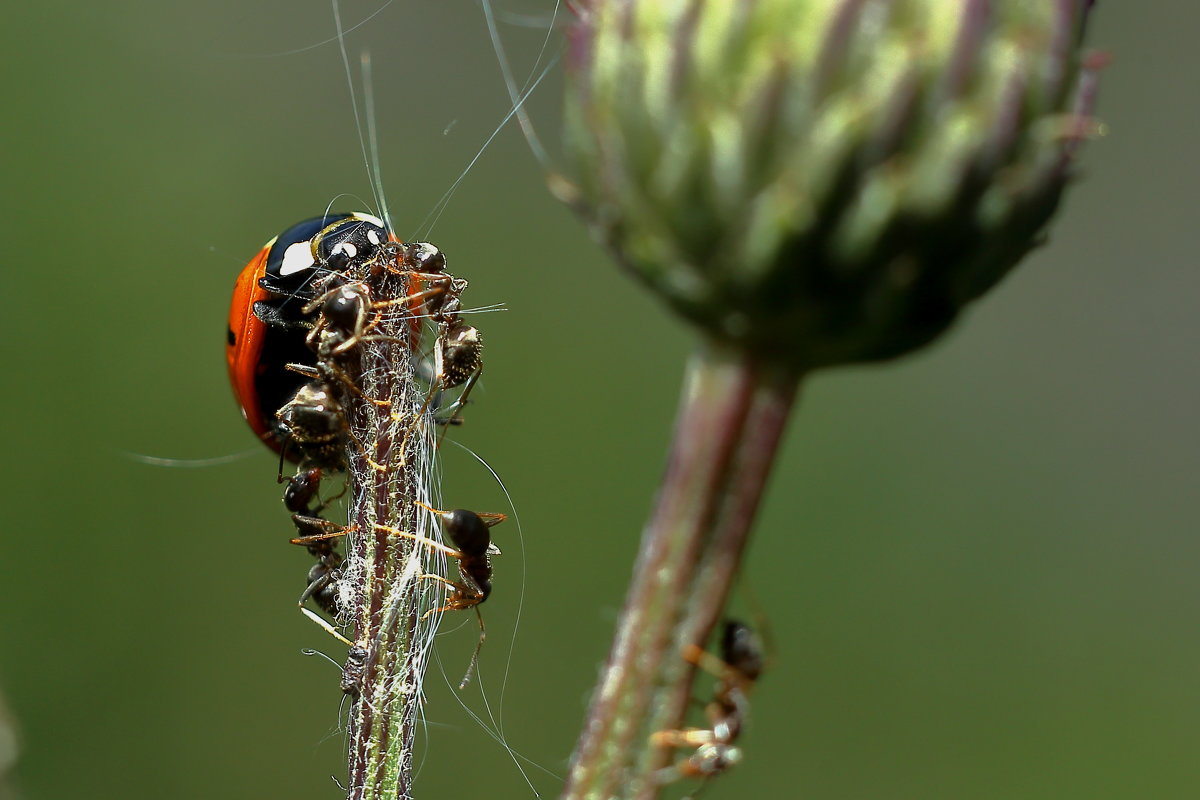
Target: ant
point(345, 319)
point(313, 421)
point(345, 301)
point(317, 535)
point(739, 666)
point(313, 418)
point(471, 534)
point(457, 352)
point(341, 326)
point(354, 669)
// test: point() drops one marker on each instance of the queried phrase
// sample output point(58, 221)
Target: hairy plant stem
point(382, 571)
point(732, 415)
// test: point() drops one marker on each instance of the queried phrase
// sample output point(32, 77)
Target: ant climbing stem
point(457, 359)
point(737, 669)
point(318, 535)
point(348, 314)
point(471, 534)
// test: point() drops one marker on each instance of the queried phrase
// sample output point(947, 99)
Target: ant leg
point(699, 657)
point(324, 625)
point(410, 299)
point(430, 543)
point(342, 348)
point(459, 589)
point(320, 621)
point(316, 512)
point(475, 655)
point(706, 763)
point(341, 376)
point(345, 380)
point(312, 538)
point(459, 401)
point(353, 439)
point(685, 737)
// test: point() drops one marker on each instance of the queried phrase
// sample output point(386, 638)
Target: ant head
point(424, 257)
point(344, 307)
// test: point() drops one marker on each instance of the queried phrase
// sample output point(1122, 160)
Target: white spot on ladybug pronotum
point(297, 258)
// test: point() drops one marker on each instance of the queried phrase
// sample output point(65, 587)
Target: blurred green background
point(979, 562)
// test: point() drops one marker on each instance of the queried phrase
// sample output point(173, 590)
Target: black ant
point(457, 353)
point(313, 418)
point(313, 421)
point(471, 534)
point(318, 536)
point(345, 320)
point(346, 303)
point(354, 669)
point(740, 665)
point(341, 326)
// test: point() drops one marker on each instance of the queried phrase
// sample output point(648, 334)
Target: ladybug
point(267, 322)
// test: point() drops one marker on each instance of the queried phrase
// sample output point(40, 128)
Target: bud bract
point(824, 181)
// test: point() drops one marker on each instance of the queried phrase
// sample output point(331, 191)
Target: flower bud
point(824, 181)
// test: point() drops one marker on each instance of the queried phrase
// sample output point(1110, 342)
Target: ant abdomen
point(742, 650)
point(468, 531)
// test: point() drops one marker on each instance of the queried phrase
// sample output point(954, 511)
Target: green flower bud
point(824, 181)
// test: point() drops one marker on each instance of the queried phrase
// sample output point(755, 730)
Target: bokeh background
point(979, 563)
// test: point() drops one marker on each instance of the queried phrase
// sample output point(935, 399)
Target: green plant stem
point(732, 414)
point(382, 571)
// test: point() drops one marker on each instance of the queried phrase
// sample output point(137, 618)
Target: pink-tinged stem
point(732, 415)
